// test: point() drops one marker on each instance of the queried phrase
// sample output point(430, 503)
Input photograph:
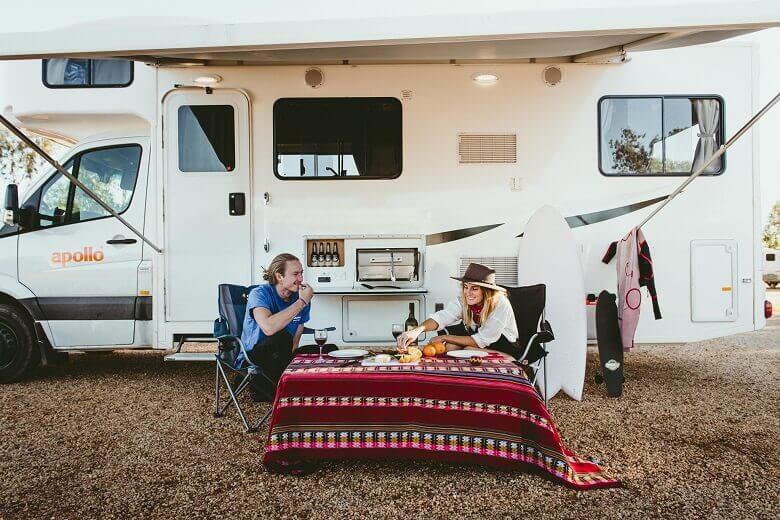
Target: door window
point(207, 138)
point(110, 173)
point(54, 199)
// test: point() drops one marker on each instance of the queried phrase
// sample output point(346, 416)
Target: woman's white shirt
point(500, 322)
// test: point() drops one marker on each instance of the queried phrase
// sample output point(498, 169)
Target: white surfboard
point(549, 255)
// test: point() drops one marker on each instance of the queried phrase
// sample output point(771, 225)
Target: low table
point(441, 409)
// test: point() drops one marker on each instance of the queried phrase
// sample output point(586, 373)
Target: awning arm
point(714, 156)
point(29, 142)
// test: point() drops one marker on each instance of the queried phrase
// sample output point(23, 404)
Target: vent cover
point(487, 148)
point(505, 266)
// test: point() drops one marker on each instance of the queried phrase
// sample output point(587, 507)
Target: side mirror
point(11, 214)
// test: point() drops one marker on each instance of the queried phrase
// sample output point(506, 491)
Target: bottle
point(314, 262)
point(321, 257)
point(336, 259)
point(328, 256)
point(411, 321)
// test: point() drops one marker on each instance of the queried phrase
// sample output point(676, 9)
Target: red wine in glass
point(320, 337)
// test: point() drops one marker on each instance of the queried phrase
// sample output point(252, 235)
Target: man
point(273, 324)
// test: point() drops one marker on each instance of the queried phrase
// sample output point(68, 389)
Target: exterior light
point(485, 78)
point(211, 79)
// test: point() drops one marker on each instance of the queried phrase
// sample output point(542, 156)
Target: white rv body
point(705, 245)
point(772, 267)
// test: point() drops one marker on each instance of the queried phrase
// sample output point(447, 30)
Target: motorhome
point(387, 152)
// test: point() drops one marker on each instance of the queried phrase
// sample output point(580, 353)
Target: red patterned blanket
point(442, 409)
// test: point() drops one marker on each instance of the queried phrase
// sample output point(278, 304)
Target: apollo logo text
point(63, 258)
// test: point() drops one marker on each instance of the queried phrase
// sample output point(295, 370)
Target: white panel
point(91, 333)
point(714, 280)
point(370, 318)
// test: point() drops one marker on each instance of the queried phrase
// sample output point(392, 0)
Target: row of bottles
point(323, 256)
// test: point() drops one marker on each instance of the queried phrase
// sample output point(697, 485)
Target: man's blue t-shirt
point(266, 296)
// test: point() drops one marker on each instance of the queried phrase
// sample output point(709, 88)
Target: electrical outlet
point(515, 184)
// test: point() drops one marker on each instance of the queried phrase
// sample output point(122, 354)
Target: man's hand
point(306, 293)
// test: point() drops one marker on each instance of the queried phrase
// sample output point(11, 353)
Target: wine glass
point(320, 338)
point(397, 330)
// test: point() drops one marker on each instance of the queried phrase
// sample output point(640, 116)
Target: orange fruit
point(429, 351)
point(440, 348)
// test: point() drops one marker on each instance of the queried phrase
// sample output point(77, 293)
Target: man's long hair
point(278, 266)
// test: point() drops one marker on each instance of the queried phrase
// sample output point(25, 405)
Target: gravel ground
point(125, 435)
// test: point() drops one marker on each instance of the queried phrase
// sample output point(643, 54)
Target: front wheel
point(18, 349)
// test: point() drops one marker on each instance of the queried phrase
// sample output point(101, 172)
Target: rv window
point(84, 73)
point(344, 138)
point(659, 135)
point(111, 174)
point(207, 140)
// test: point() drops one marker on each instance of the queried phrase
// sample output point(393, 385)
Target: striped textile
point(442, 409)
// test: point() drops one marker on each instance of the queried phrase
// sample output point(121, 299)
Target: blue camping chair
point(231, 354)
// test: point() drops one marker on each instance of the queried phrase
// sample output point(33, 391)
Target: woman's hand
point(407, 338)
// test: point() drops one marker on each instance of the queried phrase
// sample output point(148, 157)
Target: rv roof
point(404, 31)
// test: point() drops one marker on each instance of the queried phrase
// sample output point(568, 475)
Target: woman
point(481, 318)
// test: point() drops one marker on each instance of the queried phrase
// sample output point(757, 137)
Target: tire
point(19, 352)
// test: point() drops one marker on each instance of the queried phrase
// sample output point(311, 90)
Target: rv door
point(207, 199)
point(79, 261)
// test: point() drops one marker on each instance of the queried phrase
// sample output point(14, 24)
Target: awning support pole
point(29, 142)
point(717, 154)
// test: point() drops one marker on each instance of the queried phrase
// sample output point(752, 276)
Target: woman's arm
point(461, 341)
point(407, 337)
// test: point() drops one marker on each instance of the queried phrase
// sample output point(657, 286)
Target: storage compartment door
point(714, 280)
point(369, 319)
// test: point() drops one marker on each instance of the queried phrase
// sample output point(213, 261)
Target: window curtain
point(607, 113)
point(708, 116)
point(55, 71)
point(111, 72)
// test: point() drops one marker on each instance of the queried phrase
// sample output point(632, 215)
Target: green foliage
point(18, 163)
point(629, 155)
point(772, 228)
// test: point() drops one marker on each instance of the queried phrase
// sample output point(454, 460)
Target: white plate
point(346, 353)
point(372, 362)
point(466, 354)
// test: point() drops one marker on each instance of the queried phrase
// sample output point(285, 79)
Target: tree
point(772, 228)
point(18, 163)
point(629, 155)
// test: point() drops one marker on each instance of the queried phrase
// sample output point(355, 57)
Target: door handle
point(237, 204)
point(121, 241)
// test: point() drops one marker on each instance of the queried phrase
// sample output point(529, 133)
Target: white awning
point(402, 31)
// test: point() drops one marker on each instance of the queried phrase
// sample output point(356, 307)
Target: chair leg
point(257, 426)
point(234, 400)
point(544, 362)
point(216, 393)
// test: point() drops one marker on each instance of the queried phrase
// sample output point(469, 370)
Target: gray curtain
point(111, 72)
point(708, 116)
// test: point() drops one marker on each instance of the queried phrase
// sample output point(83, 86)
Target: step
point(191, 356)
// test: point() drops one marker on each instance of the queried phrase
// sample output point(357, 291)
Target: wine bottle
point(314, 262)
point(411, 321)
point(336, 259)
point(328, 256)
point(321, 257)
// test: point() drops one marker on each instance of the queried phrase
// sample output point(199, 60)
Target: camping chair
point(232, 300)
point(534, 332)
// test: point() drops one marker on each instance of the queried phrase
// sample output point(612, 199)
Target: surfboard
point(549, 254)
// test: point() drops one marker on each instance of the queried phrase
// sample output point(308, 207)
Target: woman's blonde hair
point(278, 266)
point(489, 302)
